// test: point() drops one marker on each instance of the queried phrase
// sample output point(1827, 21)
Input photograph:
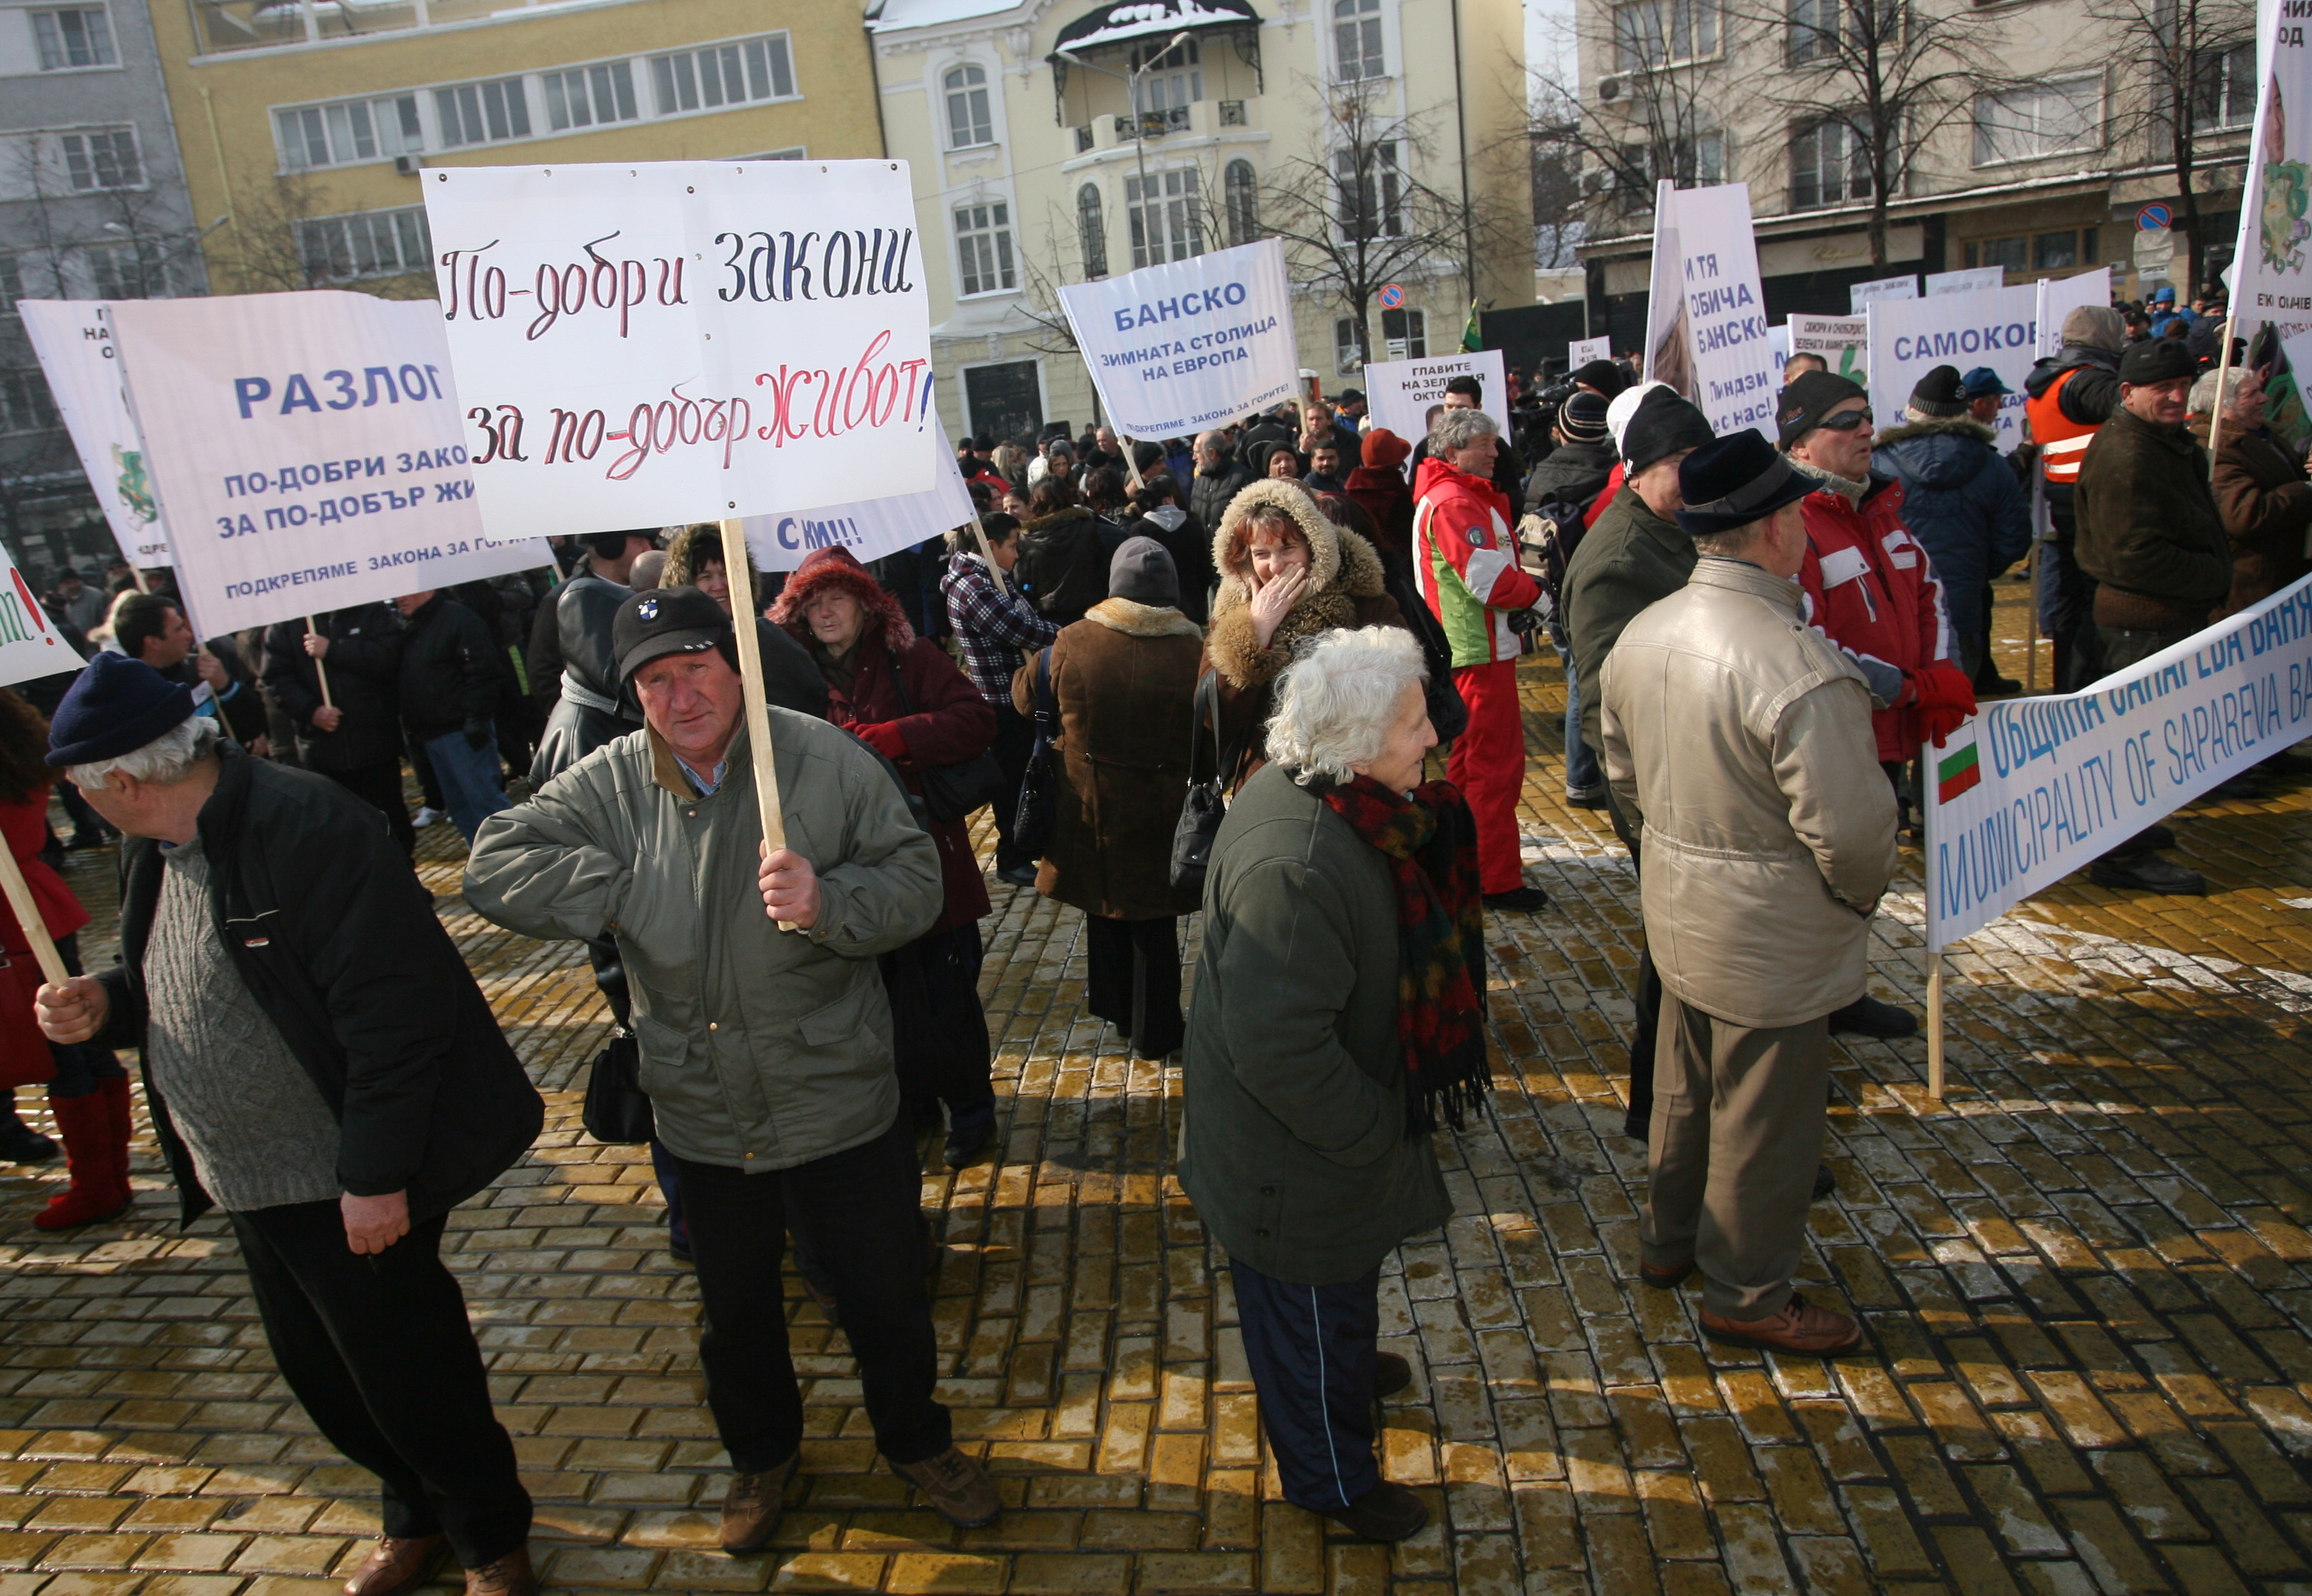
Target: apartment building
point(306, 122)
point(1055, 142)
point(92, 205)
point(2038, 136)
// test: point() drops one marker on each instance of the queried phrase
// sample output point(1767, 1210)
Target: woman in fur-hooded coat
point(1343, 587)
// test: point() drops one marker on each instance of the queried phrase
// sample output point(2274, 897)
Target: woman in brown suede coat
point(1123, 682)
point(2261, 492)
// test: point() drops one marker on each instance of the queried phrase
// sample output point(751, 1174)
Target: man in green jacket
point(766, 1056)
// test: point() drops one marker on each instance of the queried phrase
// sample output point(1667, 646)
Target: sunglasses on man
point(1847, 420)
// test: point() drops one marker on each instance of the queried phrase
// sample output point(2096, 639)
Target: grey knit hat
point(1144, 572)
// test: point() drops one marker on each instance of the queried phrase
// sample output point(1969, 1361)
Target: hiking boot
point(1868, 1016)
point(1518, 900)
point(1388, 1512)
point(957, 1487)
point(1800, 1329)
point(395, 1567)
point(2148, 873)
point(751, 1506)
point(1391, 1373)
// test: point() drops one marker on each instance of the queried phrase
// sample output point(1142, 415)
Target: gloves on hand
point(478, 734)
point(1943, 698)
point(885, 738)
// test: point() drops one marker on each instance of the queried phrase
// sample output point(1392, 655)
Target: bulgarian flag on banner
point(1955, 772)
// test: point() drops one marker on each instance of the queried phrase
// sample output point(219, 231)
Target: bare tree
point(1649, 114)
point(272, 245)
point(2197, 58)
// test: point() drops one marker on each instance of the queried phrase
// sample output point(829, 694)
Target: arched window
point(1091, 231)
point(967, 121)
point(1238, 185)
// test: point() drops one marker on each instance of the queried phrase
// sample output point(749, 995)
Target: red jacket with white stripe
point(1871, 589)
point(1464, 559)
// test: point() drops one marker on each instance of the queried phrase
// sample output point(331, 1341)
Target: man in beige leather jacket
point(1740, 740)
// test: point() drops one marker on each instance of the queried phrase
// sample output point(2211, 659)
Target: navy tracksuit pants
point(1311, 1351)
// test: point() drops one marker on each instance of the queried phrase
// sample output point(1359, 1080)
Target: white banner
point(1177, 348)
point(2059, 297)
point(1966, 280)
point(872, 528)
point(1582, 350)
point(1840, 340)
point(1991, 327)
point(2032, 789)
point(29, 648)
point(73, 340)
point(1859, 294)
point(1401, 394)
point(1713, 346)
point(2272, 271)
point(305, 448)
point(682, 341)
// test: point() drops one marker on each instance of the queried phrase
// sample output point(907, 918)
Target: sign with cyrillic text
point(1404, 395)
point(305, 449)
point(1997, 328)
point(1582, 350)
point(1859, 294)
point(2271, 274)
point(683, 341)
point(2033, 789)
point(1966, 280)
point(29, 647)
point(2059, 296)
point(871, 527)
point(1710, 342)
point(1839, 340)
point(1190, 344)
point(72, 339)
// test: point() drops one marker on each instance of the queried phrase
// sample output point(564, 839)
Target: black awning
point(1122, 21)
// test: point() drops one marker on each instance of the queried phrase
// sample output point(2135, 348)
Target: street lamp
point(1139, 116)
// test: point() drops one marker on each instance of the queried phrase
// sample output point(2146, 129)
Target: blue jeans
point(470, 779)
point(1582, 772)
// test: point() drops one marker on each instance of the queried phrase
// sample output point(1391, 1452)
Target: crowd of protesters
point(1212, 674)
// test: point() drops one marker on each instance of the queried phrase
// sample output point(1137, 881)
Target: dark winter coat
point(1295, 1150)
point(1382, 494)
point(1189, 541)
point(1627, 559)
point(448, 670)
point(1123, 681)
point(1208, 492)
point(365, 667)
point(2148, 529)
point(1571, 474)
point(2267, 508)
point(1959, 500)
point(318, 910)
point(1063, 561)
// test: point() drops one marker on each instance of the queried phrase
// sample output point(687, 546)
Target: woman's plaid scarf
point(1430, 844)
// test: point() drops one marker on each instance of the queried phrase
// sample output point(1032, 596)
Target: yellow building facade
point(305, 122)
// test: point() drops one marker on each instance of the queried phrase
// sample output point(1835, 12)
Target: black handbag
point(618, 1110)
point(1202, 811)
point(1448, 713)
point(1031, 822)
point(951, 791)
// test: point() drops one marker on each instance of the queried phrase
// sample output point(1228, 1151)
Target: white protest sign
point(1990, 327)
point(29, 647)
point(72, 339)
point(1582, 350)
point(1859, 294)
point(1840, 340)
point(873, 528)
point(1720, 319)
point(2032, 789)
point(682, 341)
point(1665, 358)
point(1966, 280)
point(1400, 395)
point(1778, 339)
point(2271, 270)
point(1191, 343)
point(2059, 296)
point(305, 448)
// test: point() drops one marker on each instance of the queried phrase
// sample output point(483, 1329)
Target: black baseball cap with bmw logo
point(665, 621)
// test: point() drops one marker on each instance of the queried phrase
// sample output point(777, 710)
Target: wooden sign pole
point(28, 915)
point(320, 670)
point(740, 564)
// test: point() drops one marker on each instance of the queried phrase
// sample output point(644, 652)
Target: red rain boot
point(84, 1125)
point(123, 1113)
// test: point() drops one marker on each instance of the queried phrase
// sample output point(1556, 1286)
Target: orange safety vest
point(2062, 441)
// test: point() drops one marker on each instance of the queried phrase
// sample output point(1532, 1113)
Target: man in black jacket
point(448, 702)
point(355, 738)
point(318, 1062)
point(608, 561)
point(1220, 473)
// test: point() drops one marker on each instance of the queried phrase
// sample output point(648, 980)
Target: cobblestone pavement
point(2084, 1278)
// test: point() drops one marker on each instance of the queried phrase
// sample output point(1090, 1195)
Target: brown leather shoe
point(1665, 1280)
point(510, 1576)
point(394, 1566)
point(1800, 1328)
point(751, 1507)
point(1391, 1373)
point(1388, 1512)
point(957, 1486)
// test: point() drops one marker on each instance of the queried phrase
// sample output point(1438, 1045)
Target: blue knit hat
point(116, 707)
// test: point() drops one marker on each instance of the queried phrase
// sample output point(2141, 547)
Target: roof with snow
point(894, 15)
point(1121, 21)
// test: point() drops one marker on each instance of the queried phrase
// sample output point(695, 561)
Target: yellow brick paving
point(2084, 1280)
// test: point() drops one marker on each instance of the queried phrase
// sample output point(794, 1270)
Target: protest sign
point(1859, 294)
point(73, 340)
point(1400, 395)
point(305, 448)
point(1582, 350)
point(1711, 343)
point(2033, 789)
point(30, 648)
point(2271, 270)
point(682, 341)
point(2059, 296)
point(1990, 327)
point(1188, 344)
point(1840, 340)
point(873, 528)
point(1966, 280)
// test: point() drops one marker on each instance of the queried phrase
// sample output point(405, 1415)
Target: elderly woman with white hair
point(1337, 1018)
point(2261, 491)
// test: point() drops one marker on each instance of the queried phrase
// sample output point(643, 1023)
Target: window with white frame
point(721, 74)
point(1241, 189)
point(130, 271)
point(1830, 165)
point(1173, 81)
point(25, 403)
point(347, 131)
point(1370, 191)
point(1651, 33)
point(1166, 224)
point(1345, 362)
point(1092, 232)
point(484, 113)
point(101, 160)
point(983, 247)
point(366, 244)
point(969, 119)
point(1408, 327)
point(80, 36)
point(1356, 40)
point(2042, 120)
point(590, 96)
point(2223, 87)
point(1821, 30)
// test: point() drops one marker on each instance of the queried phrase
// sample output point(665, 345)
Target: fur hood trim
point(1343, 570)
point(681, 555)
point(837, 569)
point(1135, 619)
point(1323, 536)
point(1934, 426)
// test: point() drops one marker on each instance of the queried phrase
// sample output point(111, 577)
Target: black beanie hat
point(1663, 425)
point(1941, 393)
point(1582, 418)
point(1604, 376)
point(2158, 360)
point(115, 707)
point(1809, 399)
